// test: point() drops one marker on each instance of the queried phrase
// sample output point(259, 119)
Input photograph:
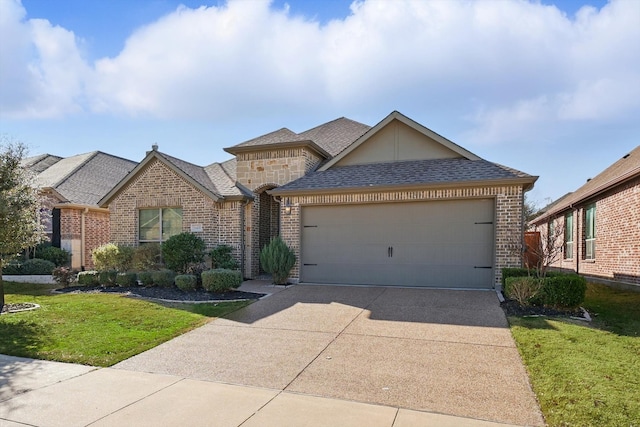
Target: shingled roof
point(37, 164)
point(431, 172)
point(628, 167)
point(328, 139)
point(82, 179)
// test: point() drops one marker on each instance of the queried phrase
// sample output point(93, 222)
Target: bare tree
point(20, 227)
point(541, 252)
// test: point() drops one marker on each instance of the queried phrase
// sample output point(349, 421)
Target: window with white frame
point(590, 232)
point(568, 236)
point(158, 224)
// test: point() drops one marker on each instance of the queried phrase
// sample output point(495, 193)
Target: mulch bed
point(513, 308)
point(173, 294)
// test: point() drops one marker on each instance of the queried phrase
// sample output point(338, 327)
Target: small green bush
point(220, 280)
point(525, 290)
point(63, 276)
point(124, 260)
point(221, 258)
point(59, 257)
point(186, 282)
point(163, 278)
point(105, 257)
point(564, 291)
point(107, 277)
point(182, 250)
point(37, 266)
point(126, 280)
point(147, 256)
point(515, 272)
point(277, 259)
point(13, 268)
point(146, 277)
point(88, 278)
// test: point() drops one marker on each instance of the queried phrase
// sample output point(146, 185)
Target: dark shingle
point(336, 135)
point(438, 171)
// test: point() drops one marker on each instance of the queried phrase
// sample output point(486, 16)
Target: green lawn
point(586, 374)
point(94, 329)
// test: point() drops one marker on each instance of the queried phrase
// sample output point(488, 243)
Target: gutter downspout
point(82, 238)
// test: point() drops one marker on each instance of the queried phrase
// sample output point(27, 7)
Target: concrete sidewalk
point(39, 393)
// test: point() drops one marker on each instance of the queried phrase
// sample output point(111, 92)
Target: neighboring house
point(600, 224)
point(395, 204)
point(70, 189)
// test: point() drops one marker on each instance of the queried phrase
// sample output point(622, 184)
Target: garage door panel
point(443, 244)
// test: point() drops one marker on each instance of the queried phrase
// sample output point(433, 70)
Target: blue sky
point(548, 87)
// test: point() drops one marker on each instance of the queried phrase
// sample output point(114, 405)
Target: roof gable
point(398, 138)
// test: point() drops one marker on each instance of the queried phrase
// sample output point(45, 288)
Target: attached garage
point(433, 244)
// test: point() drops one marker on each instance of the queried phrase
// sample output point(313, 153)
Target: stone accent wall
point(617, 252)
point(158, 186)
point(277, 167)
point(508, 221)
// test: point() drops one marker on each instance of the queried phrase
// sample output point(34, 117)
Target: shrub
point(146, 277)
point(37, 266)
point(107, 277)
point(147, 257)
point(220, 280)
point(221, 258)
point(105, 257)
point(88, 278)
point(124, 259)
point(63, 276)
point(126, 280)
point(57, 256)
point(186, 282)
point(525, 290)
point(564, 291)
point(12, 268)
point(515, 272)
point(163, 278)
point(182, 250)
point(277, 259)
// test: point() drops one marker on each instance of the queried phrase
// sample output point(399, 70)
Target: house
point(70, 189)
point(393, 204)
point(599, 224)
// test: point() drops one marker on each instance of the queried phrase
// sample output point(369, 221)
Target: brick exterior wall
point(158, 186)
point(617, 252)
point(96, 233)
point(508, 216)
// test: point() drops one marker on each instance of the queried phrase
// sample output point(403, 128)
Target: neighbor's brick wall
point(508, 212)
point(158, 186)
point(617, 253)
point(96, 233)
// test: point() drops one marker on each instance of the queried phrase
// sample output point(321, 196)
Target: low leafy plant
point(220, 280)
point(88, 278)
point(105, 257)
point(124, 260)
point(564, 291)
point(525, 290)
point(126, 280)
point(146, 277)
point(59, 257)
point(37, 266)
point(186, 282)
point(277, 259)
point(13, 268)
point(221, 257)
point(63, 276)
point(182, 250)
point(107, 277)
point(515, 272)
point(147, 257)
point(163, 278)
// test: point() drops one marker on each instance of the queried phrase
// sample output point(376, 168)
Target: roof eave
point(278, 145)
point(524, 181)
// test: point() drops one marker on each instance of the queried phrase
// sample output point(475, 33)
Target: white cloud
point(500, 69)
point(41, 69)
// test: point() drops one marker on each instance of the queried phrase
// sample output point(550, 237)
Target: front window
point(157, 225)
point(590, 232)
point(568, 236)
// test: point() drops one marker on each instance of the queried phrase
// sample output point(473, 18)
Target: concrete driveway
point(442, 351)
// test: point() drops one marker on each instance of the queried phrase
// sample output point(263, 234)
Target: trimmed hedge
point(107, 277)
point(88, 278)
point(186, 282)
point(163, 278)
point(13, 268)
point(566, 290)
point(525, 290)
point(221, 257)
point(146, 277)
point(59, 257)
point(221, 279)
point(515, 272)
point(37, 266)
point(126, 280)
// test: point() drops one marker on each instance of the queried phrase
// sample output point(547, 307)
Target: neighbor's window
point(568, 236)
point(157, 225)
point(590, 232)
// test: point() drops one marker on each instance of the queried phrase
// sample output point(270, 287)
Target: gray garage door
point(436, 244)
